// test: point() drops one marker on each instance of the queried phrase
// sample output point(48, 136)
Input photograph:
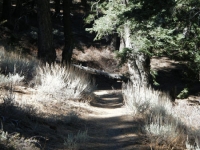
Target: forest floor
point(108, 124)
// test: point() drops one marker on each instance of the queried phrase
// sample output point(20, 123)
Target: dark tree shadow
point(108, 101)
point(115, 133)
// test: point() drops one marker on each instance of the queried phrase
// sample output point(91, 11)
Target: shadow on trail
point(113, 129)
point(115, 133)
point(111, 96)
point(111, 100)
point(104, 83)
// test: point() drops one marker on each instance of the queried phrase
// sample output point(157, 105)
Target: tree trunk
point(138, 62)
point(46, 51)
point(115, 42)
point(67, 51)
point(18, 9)
point(84, 3)
point(33, 4)
point(6, 10)
point(57, 6)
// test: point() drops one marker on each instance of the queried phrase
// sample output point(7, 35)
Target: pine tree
point(149, 28)
point(46, 51)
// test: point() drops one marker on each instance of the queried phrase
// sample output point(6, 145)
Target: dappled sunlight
point(69, 72)
point(108, 99)
point(121, 132)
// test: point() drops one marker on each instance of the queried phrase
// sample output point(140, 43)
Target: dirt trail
point(109, 126)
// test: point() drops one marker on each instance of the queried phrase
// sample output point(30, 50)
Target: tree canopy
point(158, 28)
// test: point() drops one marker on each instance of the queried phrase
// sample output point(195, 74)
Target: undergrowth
point(73, 142)
point(50, 83)
point(166, 126)
point(61, 82)
point(12, 63)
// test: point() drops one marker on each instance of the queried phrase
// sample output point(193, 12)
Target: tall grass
point(12, 63)
point(13, 140)
point(52, 82)
point(140, 100)
point(73, 142)
point(16, 142)
point(62, 82)
point(166, 126)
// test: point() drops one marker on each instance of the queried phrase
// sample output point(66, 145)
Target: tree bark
point(33, 4)
point(67, 51)
point(84, 3)
point(115, 42)
point(102, 73)
point(138, 62)
point(18, 9)
point(46, 51)
point(6, 10)
point(57, 6)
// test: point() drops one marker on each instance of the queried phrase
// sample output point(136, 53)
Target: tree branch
point(103, 73)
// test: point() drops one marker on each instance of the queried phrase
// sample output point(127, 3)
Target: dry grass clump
point(163, 130)
point(9, 112)
point(15, 142)
point(190, 115)
point(140, 100)
point(11, 63)
point(74, 141)
point(27, 120)
point(61, 82)
point(167, 126)
point(11, 79)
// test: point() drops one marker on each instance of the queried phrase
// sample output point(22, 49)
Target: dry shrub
point(73, 142)
point(14, 141)
point(140, 100)
point(167, 126)
point(11, 63)
point(163, 130)
point(61, 82)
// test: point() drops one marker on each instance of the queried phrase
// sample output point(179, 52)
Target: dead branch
point(103, 73)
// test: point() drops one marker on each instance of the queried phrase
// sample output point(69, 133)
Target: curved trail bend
point(110, 127)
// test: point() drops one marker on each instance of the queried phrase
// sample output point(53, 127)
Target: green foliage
point(169, 28)
point(123, 54)
point(183, 94)
point(11, 63)
point(153, 75)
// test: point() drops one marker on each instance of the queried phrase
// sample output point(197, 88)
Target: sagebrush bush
point(73, 142)
point(140, 100)
point(163, 129)
point(60, 82)
point(16, 142)
point(11, 79)
point(11, 63)
point(166, 125)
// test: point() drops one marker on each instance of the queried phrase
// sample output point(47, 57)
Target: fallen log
point(103, 73)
